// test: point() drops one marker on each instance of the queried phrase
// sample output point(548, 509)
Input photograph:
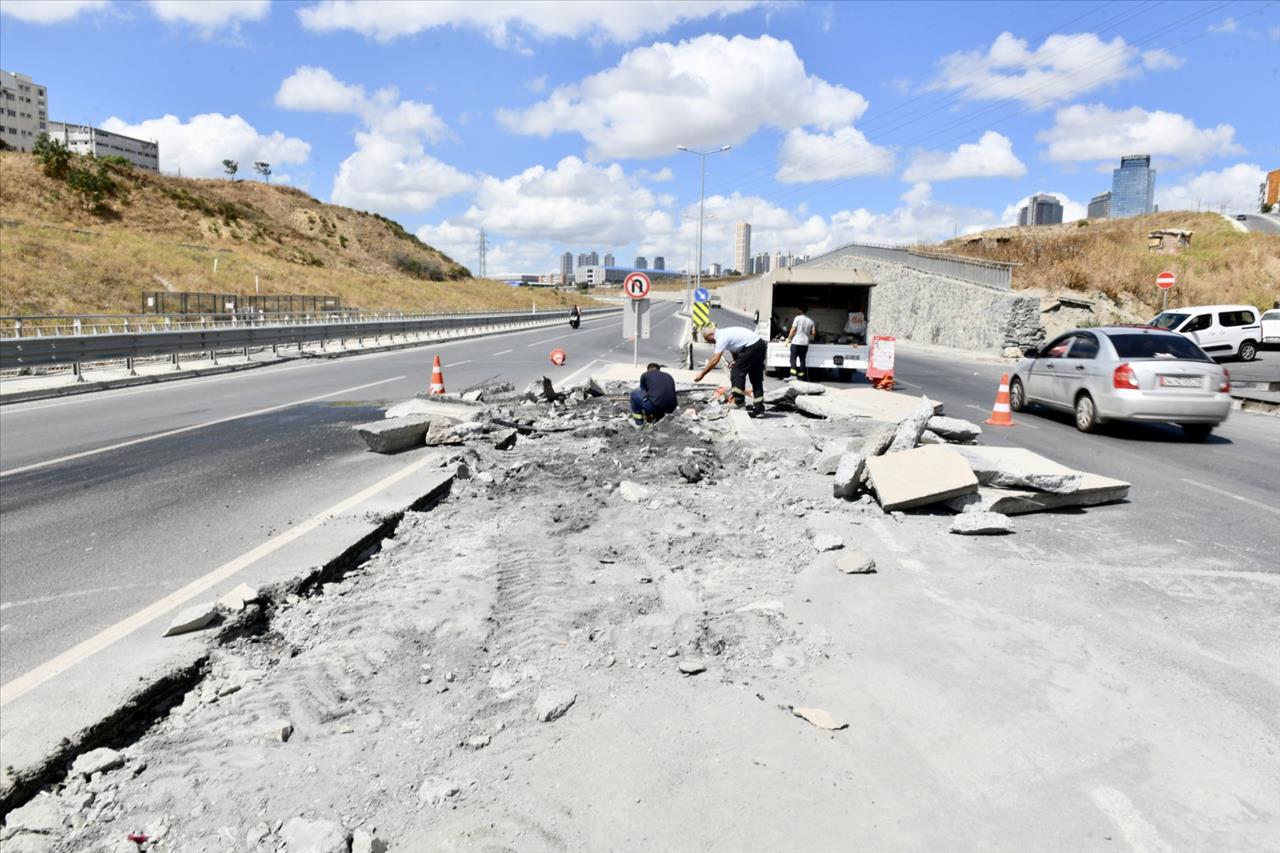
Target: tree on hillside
point(53, 156)
point(263, 169)
point(230, 167)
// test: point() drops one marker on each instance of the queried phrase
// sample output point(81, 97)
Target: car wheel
point(1196, 432)
point(1248, 351)
point(1017, 395)
point(1086, 414)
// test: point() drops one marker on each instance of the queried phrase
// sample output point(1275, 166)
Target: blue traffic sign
point(702, 295)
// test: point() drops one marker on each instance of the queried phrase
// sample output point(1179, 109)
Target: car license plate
point(1180, 381)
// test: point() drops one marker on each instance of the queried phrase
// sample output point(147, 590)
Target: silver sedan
point(1125, 373)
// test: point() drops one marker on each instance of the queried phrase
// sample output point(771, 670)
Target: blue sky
point(553, 125)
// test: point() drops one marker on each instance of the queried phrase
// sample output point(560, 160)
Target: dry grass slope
point(1222, 265)
point(161, 233)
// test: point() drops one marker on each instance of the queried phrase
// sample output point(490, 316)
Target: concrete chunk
point(393, 434)
point(506, 439)
point(827, 542)
point(43, 815)
point(849, 475)
point(1094, 490)
point(551, 705)
point(434, 408)
point(954, 429)
point(829, 459)
point(96, 761)
point(193, 619)
point(920, 477)
point(314, 836)
point(910, 429)
point(861, 403)
point(632, 492)
point(803, 388)
point(444, 432)
point(856, 563)
point(236, 599)
point(981, 524)
point(1016, 467)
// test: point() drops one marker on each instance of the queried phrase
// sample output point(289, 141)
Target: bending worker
point(655, 397)
point(802, 331)
point(748, 350)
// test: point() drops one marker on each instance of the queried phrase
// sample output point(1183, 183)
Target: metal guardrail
point(989, 273)
point(76, 350)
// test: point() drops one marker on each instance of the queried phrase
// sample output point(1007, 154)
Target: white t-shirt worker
point(803, 330)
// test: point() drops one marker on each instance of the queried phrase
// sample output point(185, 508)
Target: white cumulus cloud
point(1226, 25)
point(990, 157)
point(806, 157)
point(311, 89)
point(1062, 67)
point(48, 11)
point(504, 23)
point(704, 92)
point(198, 147)
point(1071, 210)
point(1084, 132)
point(1235, 188)
point(210, 16)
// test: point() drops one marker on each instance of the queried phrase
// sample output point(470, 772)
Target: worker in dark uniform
point(749, 351)
point(655, 398)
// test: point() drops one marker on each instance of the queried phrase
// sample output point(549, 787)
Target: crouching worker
point(655, 397)
point(748, 350)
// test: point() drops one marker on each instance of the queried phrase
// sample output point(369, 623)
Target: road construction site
point(863, 620)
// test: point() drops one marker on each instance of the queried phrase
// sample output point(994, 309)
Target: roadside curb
point(132, 381)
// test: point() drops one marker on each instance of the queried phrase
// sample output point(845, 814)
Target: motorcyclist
point(575, 317)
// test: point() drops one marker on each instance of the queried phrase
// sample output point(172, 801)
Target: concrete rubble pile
point(907, 455)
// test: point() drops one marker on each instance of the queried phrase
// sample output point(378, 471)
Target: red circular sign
point(1166, 280)
point(636, 285)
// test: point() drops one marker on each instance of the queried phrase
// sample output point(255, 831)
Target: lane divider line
point(1226, 494)
point(24, 684)
point(547, 341)
point(131, 442)
point(504, 352)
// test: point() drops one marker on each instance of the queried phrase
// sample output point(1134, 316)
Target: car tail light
point(1226, 382)
point(1124, 377)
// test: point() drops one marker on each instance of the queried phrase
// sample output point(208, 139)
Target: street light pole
point(702, 200)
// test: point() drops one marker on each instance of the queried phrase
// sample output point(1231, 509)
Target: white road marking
point(1136, 829)
point(81, 455)
point(1019, 423)
point(24, 684)
point(547, 341)
point(568, 380)
point(60, 596)
point(504, 352)
point(457, 363)
point(1225, 493)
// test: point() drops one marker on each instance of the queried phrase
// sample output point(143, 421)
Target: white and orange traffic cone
point(558, 357)
point(1000, 414)
point(437, 378)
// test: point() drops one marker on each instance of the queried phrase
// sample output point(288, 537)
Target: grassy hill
point(59, 255)
point(1108, 260)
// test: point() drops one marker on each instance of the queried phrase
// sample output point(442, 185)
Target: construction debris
point(238, 598)
point(691, 666)
point(856, 563)
point(193, 618)
point(919, 477)
point(1016, 467)
point(314, 836)
point(954, 429)
point(392, 435)
point(553, 704)
point(827, 542)
point(820, 718)
point(981, 524)
point(910, 429)
point(98, 760)
point(1094, 490)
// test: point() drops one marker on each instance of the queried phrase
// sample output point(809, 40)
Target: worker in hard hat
point(748, 351)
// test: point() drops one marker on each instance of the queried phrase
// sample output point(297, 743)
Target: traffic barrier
point(558, 357)
point(1000, 413)
point(437, 378)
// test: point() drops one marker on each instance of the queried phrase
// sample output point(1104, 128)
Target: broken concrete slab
point(434, 408)
point(436, 789)
point(443, 432)
point(1094, 490)
point(238, 598)
point(820, 718)
point(803, 388)
point(551, 705)
point(96, 761)
point(954, 429)
point(981, 524)
point(849, 475)
point(856, 563)
point(1017, 467)
point(919, 477)
point(314, 836)
point(910, 429)
point(506, 439)
point(862, 403)
point(277, 730)
point(691, 666)
point(364, 841)
point(193, 618)
point(42, 815)
point(395, 434)
point(929, 437)
point(827, 542)
point(632, 492)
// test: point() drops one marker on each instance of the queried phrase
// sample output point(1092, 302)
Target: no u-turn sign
point(636, 285)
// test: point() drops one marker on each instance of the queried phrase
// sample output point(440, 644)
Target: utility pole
point(481, 270)
point(702, 198)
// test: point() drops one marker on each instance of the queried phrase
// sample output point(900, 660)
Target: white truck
point(839, 302)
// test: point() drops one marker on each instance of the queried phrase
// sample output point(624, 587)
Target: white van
point(1222, 331)
point(1271, 328)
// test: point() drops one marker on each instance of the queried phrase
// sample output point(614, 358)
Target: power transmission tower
point(482, 270)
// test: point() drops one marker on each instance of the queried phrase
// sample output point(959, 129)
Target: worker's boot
point(756, 410)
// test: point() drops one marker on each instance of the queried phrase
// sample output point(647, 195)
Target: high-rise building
point(1100, 206)
point(593, 258)
point(1133, 187)
point(95, 142)
point(641, 263)
point(659, 263)
point(24, 110)
point(566, 268)
point(1269, 190)
point(582, 260)
point(742, 248)
point(609, 261)
point(716, 271)
point(1041, 210)
point(762, 263)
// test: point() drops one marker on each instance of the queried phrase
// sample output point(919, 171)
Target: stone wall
point(937, 309)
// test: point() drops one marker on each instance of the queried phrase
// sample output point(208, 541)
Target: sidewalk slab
point(926, 475)
point(1094, 490)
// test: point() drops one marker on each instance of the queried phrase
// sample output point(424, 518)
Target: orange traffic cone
point(558, 357)
point(1000, 415)
point(437, 378)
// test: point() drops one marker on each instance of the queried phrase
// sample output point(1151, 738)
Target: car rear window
point(1169, 320)
point(1236, 318)
point(1138, 345)
point(1271, 315)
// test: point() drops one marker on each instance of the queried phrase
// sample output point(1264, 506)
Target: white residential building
point(96, 142)
point(24, 110)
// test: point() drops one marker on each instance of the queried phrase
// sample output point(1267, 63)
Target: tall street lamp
point(702, 192)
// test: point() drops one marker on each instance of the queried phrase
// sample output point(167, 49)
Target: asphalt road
point(1264, 223)
point(111, 500)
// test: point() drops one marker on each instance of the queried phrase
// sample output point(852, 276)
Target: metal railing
point(75, 350)
point(989, 273)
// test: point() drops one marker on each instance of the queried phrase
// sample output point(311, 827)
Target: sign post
point(635, 323)
point(1165, 281)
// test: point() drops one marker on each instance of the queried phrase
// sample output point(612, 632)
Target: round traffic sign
point(1166, 280)
point(702, 295)
point(636, 285)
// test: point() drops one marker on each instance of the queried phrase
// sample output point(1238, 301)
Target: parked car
point(1125, 373)
point(1241, 217)
point(1271, 328)
point(1222, 331)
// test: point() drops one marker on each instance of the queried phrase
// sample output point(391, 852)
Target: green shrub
point(54, 157)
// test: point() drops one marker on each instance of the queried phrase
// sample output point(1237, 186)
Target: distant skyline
point(554, 127)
